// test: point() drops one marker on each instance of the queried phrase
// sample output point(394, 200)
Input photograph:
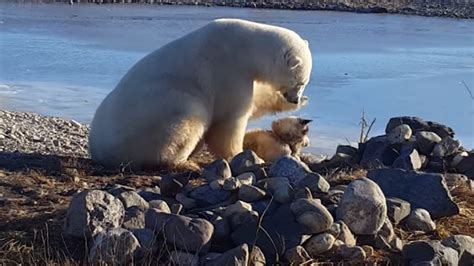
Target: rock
point(420, 220)
point(397, 209)
point(283, 233)
point(172, 184)
point(91, 212)
point(315, 182)
point(408, 160)
point(206, 258)
point(347, 252)
point(160, 205)
point(115, 246)
point(464, 245)
point(415, 123)
point(425, 141)
point(131, 198)
point(303, 193)
point(466, 166)
point(333, 196)
point(134, 218)
point(387, 231)
point(236, 256)
point(437, 165)
point(363, 207)
point(297, 255)
point(347, 149)
point(190, 234)
point(181, 258)
point(422, 190)
point(257, 258)
point(147, 241)
point(279, 187)
point(231, 184)
point(377, 152)
point(446, 147)
point(268, 206)
point(239, 219)
point(247, 178)
point(312, 215)
point(319, 244)
point(340, 160)
point(188, 203)
point(244, 161)
point(150, 194)
point(341, 232)
point(457, 158)
point(116, 189)
point(219, 169)
point(399, 134)
point(222, 229)
point(290, 168)
point(429, 251)
point(206, 196)
point(217, 184)
point(250, 193)
point(238, 207)
point(176, 208)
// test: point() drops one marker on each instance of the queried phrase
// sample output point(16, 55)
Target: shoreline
point(461, 9)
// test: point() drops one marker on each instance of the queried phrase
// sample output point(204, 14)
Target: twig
point(368, 130)
point(363, 124)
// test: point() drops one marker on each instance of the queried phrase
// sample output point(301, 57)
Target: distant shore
point(439, 8)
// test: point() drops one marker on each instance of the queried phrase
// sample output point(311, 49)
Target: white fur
point(199, 87)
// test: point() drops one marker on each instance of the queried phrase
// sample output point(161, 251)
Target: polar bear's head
point(291, 68)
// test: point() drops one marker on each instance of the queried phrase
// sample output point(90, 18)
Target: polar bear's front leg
point(225, 139)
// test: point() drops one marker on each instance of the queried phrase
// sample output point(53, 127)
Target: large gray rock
point(420, 220)
point(421, 190)
point(91, 212)
point(171, 185)
point(409, 159)
point(466, 165)
point(131, 198)
point(279, 187)
point(341, 232)
point(238, 256)
point(315, 182)
point(397, 209)
point(427, 251)
point(206, 196)
point(446, 147)
point(134, 218)
point(251, 193)
point(191, 234)
point(319, 244)
point(115, 247)
point(417, 124)
point(363, 207)
point(160, 205)
point(377, 152)
point(464, 245)
point(219, 169)
point(399, 134)
point(312, 215)
point(245, 161)
point(290, 168)
point(348, 252)
point(425, 141)
point(283, 233)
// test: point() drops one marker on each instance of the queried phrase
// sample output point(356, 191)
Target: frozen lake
point(62, 60)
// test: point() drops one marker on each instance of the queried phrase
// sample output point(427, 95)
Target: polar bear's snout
point(294, 95)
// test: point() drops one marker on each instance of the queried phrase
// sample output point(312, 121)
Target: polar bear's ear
point(292, 60)
point(307, 43)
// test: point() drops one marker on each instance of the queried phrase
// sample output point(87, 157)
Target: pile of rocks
point(244, 212)
point(33, 133)
point(410, 143)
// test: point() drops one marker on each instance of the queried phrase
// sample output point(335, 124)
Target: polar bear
point(287, 137)
point(199, 88)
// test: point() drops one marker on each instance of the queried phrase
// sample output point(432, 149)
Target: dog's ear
point(304, 121)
